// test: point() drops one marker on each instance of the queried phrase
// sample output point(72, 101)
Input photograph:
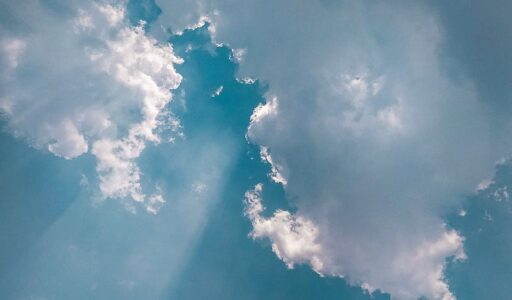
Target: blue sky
point(249, 150)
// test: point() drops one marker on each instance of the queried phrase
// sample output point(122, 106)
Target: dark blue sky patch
point(485, 224)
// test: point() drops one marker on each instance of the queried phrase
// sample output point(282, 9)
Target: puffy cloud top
point(82, 79)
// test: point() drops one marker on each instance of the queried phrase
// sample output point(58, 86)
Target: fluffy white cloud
point(294, 238)
point(70, 143)
point(81, 78)
point(374, 136)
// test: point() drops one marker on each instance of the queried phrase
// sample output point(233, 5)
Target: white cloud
point(428, 262)
point(86, 80)
point(294, 238)
point(376, 136)
point(83, 21)
point(267, 110)
point(114, 15)
point(391, 117)
point(484, 184)
point(71, 142)
point(119, 174)
point(246, 80)
point(155, 202)
point(217, 91)
point(276, 172)
point(12, 49)
point(238, 54)
point(501, 194)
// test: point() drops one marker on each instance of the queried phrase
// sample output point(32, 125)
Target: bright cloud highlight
point(102, 87)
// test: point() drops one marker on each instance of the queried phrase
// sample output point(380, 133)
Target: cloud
point(276, 170)
point(12, 49)
point(293, 237)
point(77, 78)
point(296, 240)
point(70, 143)
point(373, 134)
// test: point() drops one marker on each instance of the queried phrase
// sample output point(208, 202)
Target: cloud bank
point(372, 128)
point(77, 78)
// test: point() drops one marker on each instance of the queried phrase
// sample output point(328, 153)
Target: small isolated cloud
point(84, 81)
point(246, 80)
point(217, 91)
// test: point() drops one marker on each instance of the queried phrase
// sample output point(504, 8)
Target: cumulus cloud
point(77, 78)
point(374, 136)
point(294, 238)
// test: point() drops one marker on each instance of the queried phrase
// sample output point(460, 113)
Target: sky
point(220, 149)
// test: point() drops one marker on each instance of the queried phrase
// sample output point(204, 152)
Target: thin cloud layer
point(77, 78)
point(374, 137)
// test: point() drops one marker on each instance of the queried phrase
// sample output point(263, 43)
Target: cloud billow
point(77, 78)
point(371, 133)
